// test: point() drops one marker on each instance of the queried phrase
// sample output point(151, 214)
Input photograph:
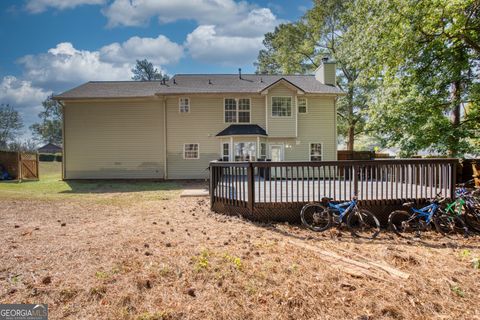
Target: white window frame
point(180, 110)
point(237, 110)
point(198, 151)
point(291, 107)
point(310, 150)
point(263, 156)
point(306, 105)
point(222, 144)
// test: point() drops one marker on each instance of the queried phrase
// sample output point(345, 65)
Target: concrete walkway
point(187, 193)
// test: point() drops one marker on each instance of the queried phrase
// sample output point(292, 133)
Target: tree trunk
point(350, 119)
point(454, 140)
point(351, 137)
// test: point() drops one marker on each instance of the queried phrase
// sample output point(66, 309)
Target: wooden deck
point(297, 190)
point(258, 189)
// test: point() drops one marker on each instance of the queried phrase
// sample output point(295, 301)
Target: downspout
point(266, 113)
point(296, 116)
point(64, 153)
point(335, 129)
point(165, 167)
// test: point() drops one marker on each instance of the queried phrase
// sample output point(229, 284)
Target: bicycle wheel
point(401, 223)
point(447, 224)
point(316, 217)
point(363, 224)
point(472, 218)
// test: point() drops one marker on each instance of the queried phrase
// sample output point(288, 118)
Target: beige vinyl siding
point(281, 126)
point(107, 139)
point(317, 126)
point(201, 125)
point(257, 113)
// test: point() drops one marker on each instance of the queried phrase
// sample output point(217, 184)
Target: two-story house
point(173, 129)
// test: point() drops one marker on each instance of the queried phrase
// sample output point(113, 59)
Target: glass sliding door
point(245, 151)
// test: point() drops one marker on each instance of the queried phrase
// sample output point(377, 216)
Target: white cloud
point(66, 65)
point(38, 6)
point(231, 17)
point(23, 96)
point(20, 92)
point(206, 45)
point(256, 23)
point(138, 12)
point(158, 50)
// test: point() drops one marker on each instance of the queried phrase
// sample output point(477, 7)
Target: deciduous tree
point(49, 130)
point(422, 57)
point(298, 48)
point(10, 125)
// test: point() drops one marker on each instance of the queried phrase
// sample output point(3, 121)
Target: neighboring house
point(173, 129)
point(50, 148)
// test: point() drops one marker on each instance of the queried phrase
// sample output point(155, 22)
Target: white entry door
point(276, 152)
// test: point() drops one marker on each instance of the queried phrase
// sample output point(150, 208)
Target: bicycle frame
point(426, 212)
point(455, 207)
point(342, 209)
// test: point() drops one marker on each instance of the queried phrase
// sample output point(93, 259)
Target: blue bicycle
point(417, 220)
point(321, 216)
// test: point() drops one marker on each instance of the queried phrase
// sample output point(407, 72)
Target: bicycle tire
point(449, 224)
point(472, 219)
point(361, 219)
point(402, 222)
point(316, 217)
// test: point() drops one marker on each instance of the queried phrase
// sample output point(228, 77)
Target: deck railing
point(250, 184)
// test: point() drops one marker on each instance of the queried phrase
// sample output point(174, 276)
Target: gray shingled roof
point(242, 130)
point(194, 83)
point(112, 89)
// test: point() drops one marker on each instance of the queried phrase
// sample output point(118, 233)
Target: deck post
point(211, 185)
point(251, 188)
point(453, 179)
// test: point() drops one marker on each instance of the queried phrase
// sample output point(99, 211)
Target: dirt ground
point(172, 258)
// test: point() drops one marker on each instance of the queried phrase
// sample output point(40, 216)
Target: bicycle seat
point(408, 204)
point(326, 199)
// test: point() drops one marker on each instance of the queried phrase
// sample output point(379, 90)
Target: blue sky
point(49, 46)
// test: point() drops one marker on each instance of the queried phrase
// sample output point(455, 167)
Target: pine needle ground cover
point(91, 255)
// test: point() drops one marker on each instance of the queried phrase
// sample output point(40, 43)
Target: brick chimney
point(326, 72)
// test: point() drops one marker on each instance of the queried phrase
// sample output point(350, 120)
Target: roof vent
point(210, 81)
point(174, 81)
point(240, 73)
point(261, 79)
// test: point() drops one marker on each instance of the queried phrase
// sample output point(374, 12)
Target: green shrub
point(58, 158)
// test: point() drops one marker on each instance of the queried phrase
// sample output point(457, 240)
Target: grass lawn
point(51, 186)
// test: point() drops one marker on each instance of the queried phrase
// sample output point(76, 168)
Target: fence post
point(355, 180)
point(453, 179)
point(37, 164)
point(251, 187)
point(19, 164)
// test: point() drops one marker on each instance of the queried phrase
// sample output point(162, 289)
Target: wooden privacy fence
point(256, 186)
point(20, 165)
